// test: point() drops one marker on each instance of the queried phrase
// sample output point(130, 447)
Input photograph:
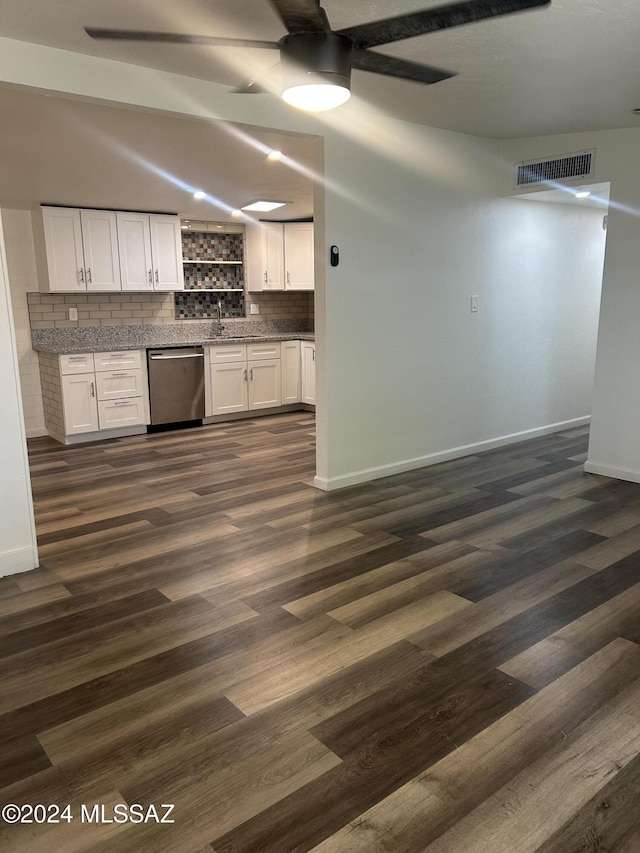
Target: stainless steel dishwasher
point(176, 384)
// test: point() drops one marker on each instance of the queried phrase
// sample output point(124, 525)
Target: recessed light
point(264, 206)
point(273, 156)
point(584, 194)
point(199, 194)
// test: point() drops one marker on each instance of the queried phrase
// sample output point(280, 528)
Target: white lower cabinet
point(79, 403)
point(244, 377)
point(290, 372)
point(106, 398)
point(229, 388)
point(308, 370)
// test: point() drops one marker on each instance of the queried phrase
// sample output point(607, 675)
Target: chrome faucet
point(219, 318)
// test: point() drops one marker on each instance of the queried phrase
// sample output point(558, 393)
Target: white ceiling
point(567, 67)
point(570, 66)
point(57, 150)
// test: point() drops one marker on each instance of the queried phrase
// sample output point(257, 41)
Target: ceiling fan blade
point(367, 60)
point(431, 20)
point(174, 38)
point(302, 16)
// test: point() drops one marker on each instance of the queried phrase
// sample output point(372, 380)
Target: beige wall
point(21, 264)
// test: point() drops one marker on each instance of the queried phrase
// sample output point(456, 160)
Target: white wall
point(18, 550)
point(21, 265)
point(422, 379)
point(406, 375)
point(614, 447)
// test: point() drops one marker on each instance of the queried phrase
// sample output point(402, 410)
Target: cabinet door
point(290, 371)
point(298, 254)
point(308, 365)
point(63, 246)
point(166, 251)
point(264, 384)
point(100, 243)
point(79, 403)
point(229, 388)
point(272, 255)
point(134, 239)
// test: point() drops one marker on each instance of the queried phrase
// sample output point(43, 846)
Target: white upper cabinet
point(280, 256)
point(298, 255)
point(272, 255)
point(150, 251)
point(81, 249)
point(103, 250)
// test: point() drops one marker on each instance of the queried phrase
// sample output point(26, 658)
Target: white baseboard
point(609, 471)
point(20, 560)
point(376, 473)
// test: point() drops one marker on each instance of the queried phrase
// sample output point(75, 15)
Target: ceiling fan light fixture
point(316, 69)
point(316, 97)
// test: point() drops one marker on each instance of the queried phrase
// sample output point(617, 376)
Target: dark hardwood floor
point(446, 660)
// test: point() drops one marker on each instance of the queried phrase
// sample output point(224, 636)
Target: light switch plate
point(254, 308)
point(73, 313)
point(474, 304)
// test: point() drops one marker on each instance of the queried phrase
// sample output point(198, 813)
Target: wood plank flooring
point(442, 661)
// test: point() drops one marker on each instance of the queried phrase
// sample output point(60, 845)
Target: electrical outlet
point(254, 308)
point(73, 313)
point(474, 304)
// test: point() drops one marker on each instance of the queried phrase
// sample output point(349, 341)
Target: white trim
point(609, 471)
point(367, 474)
point(20, 560)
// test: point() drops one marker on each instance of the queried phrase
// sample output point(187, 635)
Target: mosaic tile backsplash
point(207, 276)
point(203, 306)
point(209, 246)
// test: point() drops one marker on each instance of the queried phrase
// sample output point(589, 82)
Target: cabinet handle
point(266, 280)
point(88, 275)
point(245, 376)
point(251, 374)
point(288, 278)
point(157, 278)
point(150, 277)
point(314, 354)
point(81, 275)
point(93, 390)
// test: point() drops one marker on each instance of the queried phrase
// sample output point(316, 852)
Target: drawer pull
point(119, 374)
point(121, 402)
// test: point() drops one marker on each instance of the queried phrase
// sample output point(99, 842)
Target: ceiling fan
point(317, 61)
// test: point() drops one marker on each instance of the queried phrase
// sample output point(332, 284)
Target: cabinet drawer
point(265, 350)
point(119, 413)
point(227, 353)
point(114, 360)
point(70, 364)
point(114, 384)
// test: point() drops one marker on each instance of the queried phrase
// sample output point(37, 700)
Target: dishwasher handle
point(171, 357)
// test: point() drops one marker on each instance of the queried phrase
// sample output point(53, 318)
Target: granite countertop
point(102, 338)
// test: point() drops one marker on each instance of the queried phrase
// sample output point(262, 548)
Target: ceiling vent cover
point(567, 167)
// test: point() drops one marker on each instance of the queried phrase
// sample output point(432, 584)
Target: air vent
point(568, 167)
